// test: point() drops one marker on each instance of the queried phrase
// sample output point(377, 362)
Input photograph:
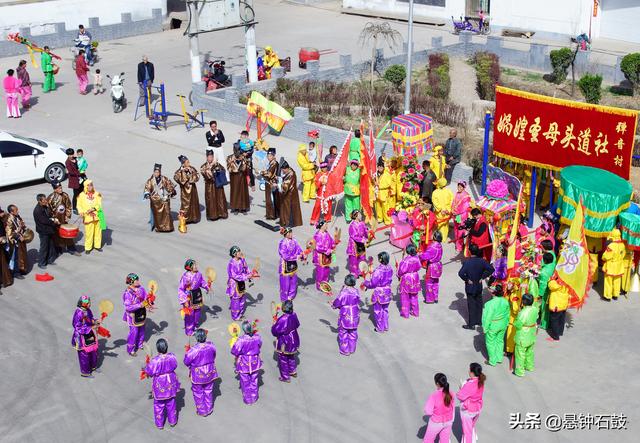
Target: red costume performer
point(323, 205)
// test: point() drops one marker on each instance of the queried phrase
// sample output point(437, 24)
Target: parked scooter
point(466, 25)
point(118, 101)
point(215, 77)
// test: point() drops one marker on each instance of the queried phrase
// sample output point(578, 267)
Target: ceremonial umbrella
point(630, 229)
point(412, 134)
point(604, 195)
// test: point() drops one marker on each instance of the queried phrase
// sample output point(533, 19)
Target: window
point(35, 141)
point(441, 3)
point(475, 6)
point(14, 149)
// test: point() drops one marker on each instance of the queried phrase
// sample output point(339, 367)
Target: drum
point(56, 68)
point(68, 230)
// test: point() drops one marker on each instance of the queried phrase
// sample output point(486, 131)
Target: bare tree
point(372, 32)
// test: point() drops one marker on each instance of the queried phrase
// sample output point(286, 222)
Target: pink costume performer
point(84, 338)
point(190, 295)
point(322, 253)
point(289, 250)
point(380, 281)
point(11, 85)
point(248, 363)
point(165, 384)
point(135, 312)
point(432, 259)
point(238, 274)
point(409, 275)
point(356, 249)
point(348, 301)
point(201, 361)
point(285, 330)
point(440, 414)
point(470, 397)
point(460, 209)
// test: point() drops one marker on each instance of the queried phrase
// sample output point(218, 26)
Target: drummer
point(61, 208)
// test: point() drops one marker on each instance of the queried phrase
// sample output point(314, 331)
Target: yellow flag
point(573, 268)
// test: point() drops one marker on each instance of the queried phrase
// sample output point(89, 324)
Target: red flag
point(335, 181)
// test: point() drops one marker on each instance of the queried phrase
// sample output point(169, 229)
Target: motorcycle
point(118, 101)
point(466, 25)
point(215, 77)
point(76, 50)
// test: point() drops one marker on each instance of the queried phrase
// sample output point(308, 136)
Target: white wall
point(620, 20)
point(454, 8)
point(40, 15)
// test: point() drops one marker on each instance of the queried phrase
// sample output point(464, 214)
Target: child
point(97, 83)
point(82, 164)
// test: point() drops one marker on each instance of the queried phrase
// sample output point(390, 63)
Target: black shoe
point(605, 299)
point(87, 252)
point(99, 249)
point(42, 266)
point(468, 327)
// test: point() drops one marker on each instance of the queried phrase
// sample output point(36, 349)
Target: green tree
point(591, 87)
point(630, 67)
point(395, 74)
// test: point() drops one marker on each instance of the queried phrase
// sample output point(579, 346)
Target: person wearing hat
point(432, 260)
point(352, 189)
point(462, 203)
point(495, 319)
point(271, 197)
point(214, 197)
point(290, 213)
point(348, 301)
point(15, 230)
point(187, 176)
point(201, 361)
point(46, 227)
point(380, 281)
point(308, 168)
point(270, 60)
point(613, 265)
point(323, 205)
point(165, 386)
point(90, 209)
point(73, 177)
point(409, 275)
point(324, 247)
point(238, 274)
point(84, 338)
point(437, 162)
point(290, 251)
point(357, 245)
point(6, 276)
point(135, 304)
point(248, 363)
point(190, 295)
point(384, 189)
point(285, 330)
point(238, 187)
point(159, 189)
point(61, 207)
point(442, 199)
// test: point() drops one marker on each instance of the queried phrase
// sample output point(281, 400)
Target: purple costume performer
point(409, 275)
point(356, 249)
point(289, 250)
point(84, 340)
point(432, 259)
point(285, 329)
point(190, 294)
point(500, 269)
point(380, 282)
point(247, 352)
point(322, 255)
point(238, 274)
point(201, 360)
point(348, 302)
point(165, 386)
point(135, 313)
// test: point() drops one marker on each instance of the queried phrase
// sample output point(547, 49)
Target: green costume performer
point(354, 149)
point(351, 190)
point(49, 83)
point(543, 280)
point(526, 335)
point(495, 319)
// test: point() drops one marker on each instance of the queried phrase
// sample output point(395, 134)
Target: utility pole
point(250, 47)
point(407, 87)
point(194, 49)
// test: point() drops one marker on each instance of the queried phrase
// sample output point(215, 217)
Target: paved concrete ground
point(376, 395)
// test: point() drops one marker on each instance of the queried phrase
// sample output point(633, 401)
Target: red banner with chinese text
point(553, 133)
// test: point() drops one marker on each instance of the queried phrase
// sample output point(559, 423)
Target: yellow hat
point(437, 149)
point(442, 182)
point(268, 49)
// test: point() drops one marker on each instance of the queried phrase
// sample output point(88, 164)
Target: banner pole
point(532, 197)
point(485, 152)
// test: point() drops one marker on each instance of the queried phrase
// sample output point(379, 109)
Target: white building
point(611, 19)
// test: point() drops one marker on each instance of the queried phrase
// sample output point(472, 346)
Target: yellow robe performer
point(89, 204)
point(308, 174)
point(442, 199)
point(385, 187)
point(613, 267)
point(437, 162)
point(515, 300)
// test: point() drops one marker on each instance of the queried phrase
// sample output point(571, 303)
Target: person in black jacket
point(46, 226)
point(473, 271)
point(146, 75)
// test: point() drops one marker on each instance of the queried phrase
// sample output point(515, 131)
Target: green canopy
point(604, 195)
point(630, 229)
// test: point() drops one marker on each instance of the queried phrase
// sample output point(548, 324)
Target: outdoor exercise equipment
point(158, 115)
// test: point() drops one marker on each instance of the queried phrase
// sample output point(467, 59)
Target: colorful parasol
point(412, 134)
point(266, 111)
point(630, 229)
point(604, 195)
point(495, 206)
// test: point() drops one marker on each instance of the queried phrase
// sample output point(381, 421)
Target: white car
point(25, 159)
